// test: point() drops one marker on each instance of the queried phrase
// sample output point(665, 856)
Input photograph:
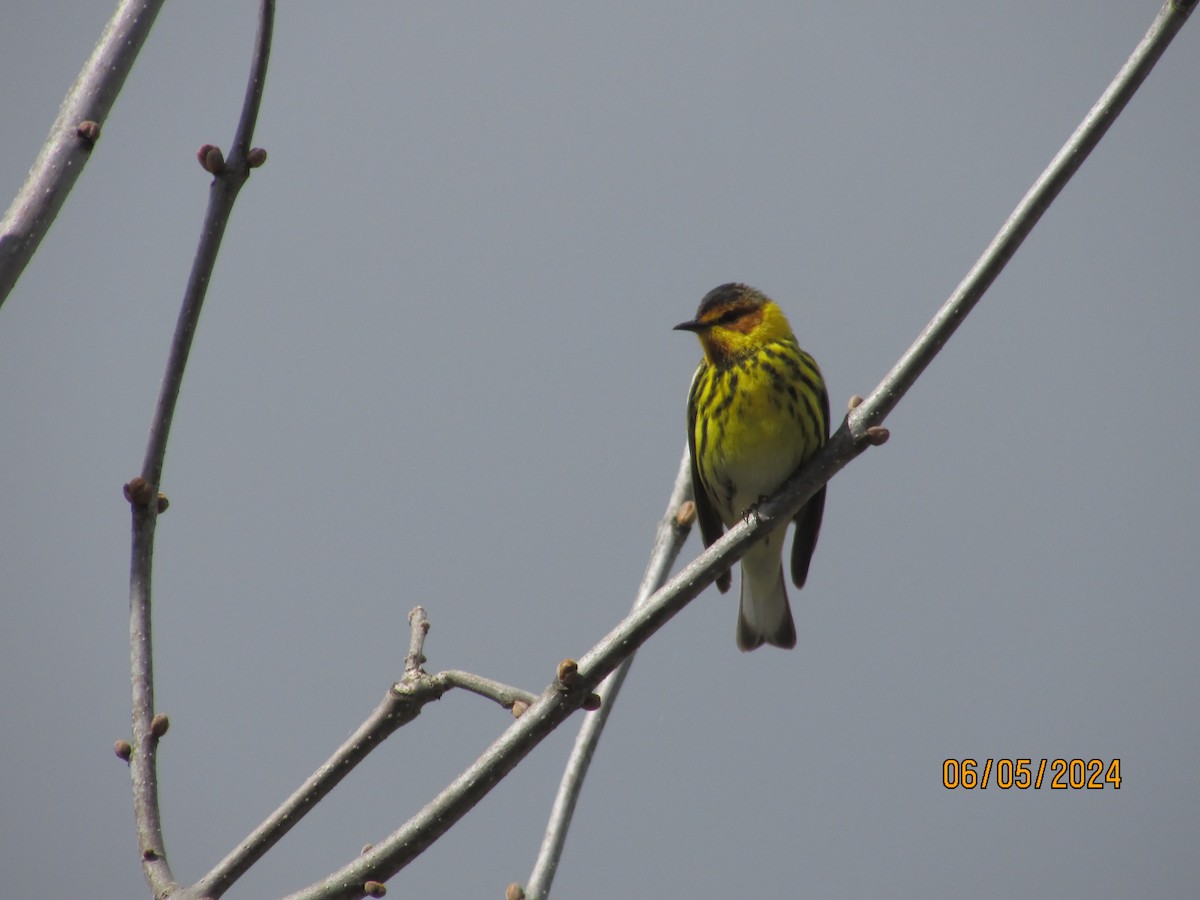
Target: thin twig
point(670, 537)
point(860, 430)
point(403, 703)
point(143, 492)
point(501, 693)
point(72, 136)
point(419, 627)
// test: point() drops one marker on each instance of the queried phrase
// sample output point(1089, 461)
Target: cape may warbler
point(756, 410)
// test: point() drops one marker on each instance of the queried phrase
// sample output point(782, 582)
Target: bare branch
point(672, 531)
point(143, 491)
point(72, 137)
point(503, 694)
point(226, 184)
point(419, 625)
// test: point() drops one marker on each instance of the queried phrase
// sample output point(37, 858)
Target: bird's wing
point(711, 527)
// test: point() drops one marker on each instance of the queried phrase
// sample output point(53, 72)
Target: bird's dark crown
point(729, 301)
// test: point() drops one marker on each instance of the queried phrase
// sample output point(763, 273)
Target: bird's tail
point(764, 616)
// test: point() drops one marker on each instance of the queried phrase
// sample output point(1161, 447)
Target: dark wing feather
point(808, 519)
point(711, 527)
point(808, 527)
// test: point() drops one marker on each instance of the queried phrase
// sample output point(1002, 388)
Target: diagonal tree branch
point(142, 492)
point(72, 137)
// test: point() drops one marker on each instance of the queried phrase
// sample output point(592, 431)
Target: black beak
point(696, 327)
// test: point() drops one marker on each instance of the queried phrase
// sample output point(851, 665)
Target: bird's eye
point(730, 315)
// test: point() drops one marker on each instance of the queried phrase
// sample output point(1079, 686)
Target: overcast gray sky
point(436, 366)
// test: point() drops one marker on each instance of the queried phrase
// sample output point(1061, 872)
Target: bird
point(757, 408)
